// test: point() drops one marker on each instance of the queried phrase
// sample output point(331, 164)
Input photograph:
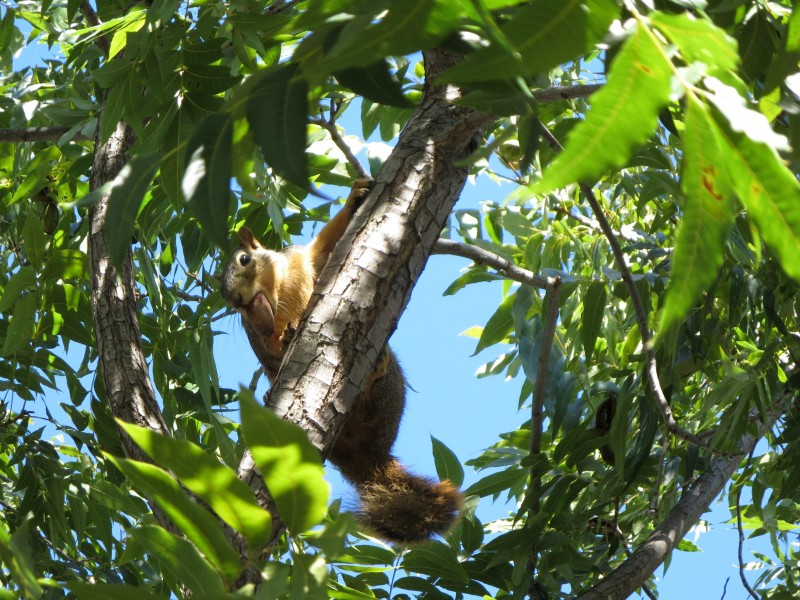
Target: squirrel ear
point(247, 239)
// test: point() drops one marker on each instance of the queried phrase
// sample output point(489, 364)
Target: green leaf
point(707, 216)
point(24, 279)
point(204, 369)
point(199, 526)
point(542, 36)
point(447, 464)
point(117, 103)
point(34, 240)
point(127, 192)
point(65, 264)
point(594, 306)
point(699, 40)
point(180, 558)
point(499, 325)
point(131, 22)
point(20, 331)
point(289, 463)
point(623, 115)
point(496, 482)
point(375, 83)
point(206, 179)
point(408, 26)
point(277, 112)
point(203, 474)
point(7, 28)
point(768, 190)
point(15, 552)
point(437, 560)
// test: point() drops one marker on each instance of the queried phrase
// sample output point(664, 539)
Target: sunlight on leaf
point(707, 216)
point(203, 473)
point(623, 115)
point(289, 463)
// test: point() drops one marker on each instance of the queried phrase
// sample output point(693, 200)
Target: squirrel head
point(249, 282)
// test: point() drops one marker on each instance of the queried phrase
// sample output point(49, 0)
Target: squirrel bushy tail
point(406, 508)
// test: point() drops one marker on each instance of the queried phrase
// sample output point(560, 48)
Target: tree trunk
point(367, 282)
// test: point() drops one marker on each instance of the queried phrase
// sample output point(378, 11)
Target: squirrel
point(271, 291)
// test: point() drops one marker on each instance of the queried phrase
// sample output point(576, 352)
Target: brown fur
point(271, 291)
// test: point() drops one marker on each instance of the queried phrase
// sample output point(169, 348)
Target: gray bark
point(116, 317)
point(368, 280)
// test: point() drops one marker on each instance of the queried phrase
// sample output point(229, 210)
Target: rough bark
point(116, 318)
point(368, 280)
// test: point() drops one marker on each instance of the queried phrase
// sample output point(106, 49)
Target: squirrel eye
point(244, 259)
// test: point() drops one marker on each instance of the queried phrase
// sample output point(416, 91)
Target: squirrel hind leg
point(404, 508)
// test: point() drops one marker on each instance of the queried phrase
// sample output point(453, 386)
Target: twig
point(548, 334)
point(254, 380)
point(37, 134)
point(93, 21)
point(570, 92)
point(745, 583)
point(537, 410)
point(336, 137)
point(659, 481)
point(651, 368)
point(495, 261)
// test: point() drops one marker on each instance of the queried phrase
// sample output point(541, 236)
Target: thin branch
point(651, 368)
point(38, 134)
point(659, 480)
point(255, 379)
point(495, 261)
point(548, 335)
point(537, 412)
point(745, 583)
point(93, 21)
point(570, 92)
point(336, 137)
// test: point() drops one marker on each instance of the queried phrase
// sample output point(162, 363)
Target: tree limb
point(368, 279)
point(643, 562)
point(495, 261)
point(126, 377)
point(38, 134)
point(537, 412)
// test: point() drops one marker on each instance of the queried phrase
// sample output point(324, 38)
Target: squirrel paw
point(360, 190)
point(287, 335)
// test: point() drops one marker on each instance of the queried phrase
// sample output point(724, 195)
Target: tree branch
point(643, 562)
point(537, 411)
point(336, 137)
point(495, 261)
point(368, 279)
point(122, 364)
point(570, 92)
point(38, 134)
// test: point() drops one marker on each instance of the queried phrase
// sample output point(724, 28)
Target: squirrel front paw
point(286, 336)
point(358, 193)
